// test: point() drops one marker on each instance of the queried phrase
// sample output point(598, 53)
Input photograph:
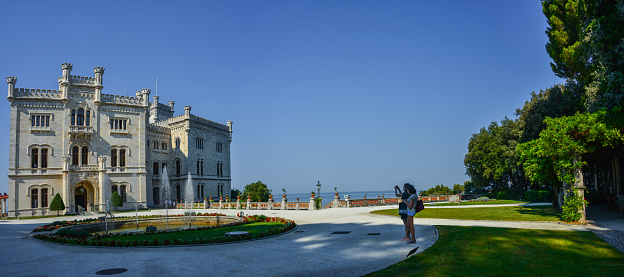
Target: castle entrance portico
point(84, 197)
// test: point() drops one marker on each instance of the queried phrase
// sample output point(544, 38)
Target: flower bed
point(126, 239)
point(60, 224)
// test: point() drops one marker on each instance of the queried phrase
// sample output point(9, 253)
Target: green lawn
point(481, 251)
point(494, 202)
point(514, 213)
point(252, 228)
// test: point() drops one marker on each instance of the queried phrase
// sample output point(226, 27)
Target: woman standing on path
point(403, 208)
point(411, 211)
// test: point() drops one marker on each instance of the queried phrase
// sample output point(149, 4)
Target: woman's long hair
point(411, 189)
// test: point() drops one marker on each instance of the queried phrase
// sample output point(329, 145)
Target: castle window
point(85, 155)
point(40, 121)
point(164, 146)
point(75, 150)
point(155, 168)
point(88, 118)
point(178, 166)
point(164, 165)
point(199, 143)
point(44, 198)
point(44, 157)
point(118, 125)
point(155, 145)
point(80, 118)
point(113, 157)
point(197, 167)
point(34, 158)
point(34, 195)
point(123, 194)
point(122, 157)
point(73, 117)
point(177, 143)
point(114, 189)
point(202, 191)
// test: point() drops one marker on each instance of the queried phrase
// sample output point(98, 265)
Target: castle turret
point(11, 81)
point(187, 111)
point(64, 81)
point(99, 72)
point(145, 93)
point(230, 123)
point(171, 103)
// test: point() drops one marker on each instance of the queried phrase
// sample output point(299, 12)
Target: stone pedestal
point(249, 202)
point(312, 206)
point(238, 205)
point(336, 201)
point(284, 202)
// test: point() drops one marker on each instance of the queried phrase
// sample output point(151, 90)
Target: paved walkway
point(372, 244)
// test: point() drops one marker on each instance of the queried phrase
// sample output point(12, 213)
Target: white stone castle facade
point(84, 145)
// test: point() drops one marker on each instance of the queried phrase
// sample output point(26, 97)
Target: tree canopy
point(57, 204)
point(257, 191)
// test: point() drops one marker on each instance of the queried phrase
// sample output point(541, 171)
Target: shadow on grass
point(482, 251)
point(542, 211)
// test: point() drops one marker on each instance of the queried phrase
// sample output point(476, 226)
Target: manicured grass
point(252, 228)
point(494, 202)
point(514, 213)
point(481, 251)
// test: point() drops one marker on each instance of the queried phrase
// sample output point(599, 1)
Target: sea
point(329, 196)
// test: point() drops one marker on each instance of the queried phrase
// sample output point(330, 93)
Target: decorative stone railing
point(81, 130)
point(86, 167)
point(40, 129)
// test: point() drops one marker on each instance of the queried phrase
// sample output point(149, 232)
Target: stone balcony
point(81, 130)
point(34, 129)
point(84, 167)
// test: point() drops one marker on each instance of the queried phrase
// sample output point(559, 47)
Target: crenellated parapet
point(36, 93)
point(120, 99)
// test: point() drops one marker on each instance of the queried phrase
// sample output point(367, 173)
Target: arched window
point(73, 117)
point(85, 155)
point(155, 168)
point(177, 143)
point(34, 196)
point(75, 150)
point(34, 158)
point(202, 191)
point(122, 157)
point(201, 166)
point(88, 118)
point(80, 118)
point(198, 190)
point(44, 157)
point(197, 167)
point(164, 165)
point(113, 157)
point(177, 165)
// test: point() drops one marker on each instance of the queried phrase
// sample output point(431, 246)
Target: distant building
point(84, 145)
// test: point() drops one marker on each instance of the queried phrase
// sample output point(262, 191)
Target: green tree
point(235, 193)
point(458, 189)
point(567, 21)
point(605, 33)
point(558, 152)
point(57, 204)
point(257, 190)
point(116, 200)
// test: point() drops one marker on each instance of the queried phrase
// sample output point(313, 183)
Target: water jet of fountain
point(188, 192)
point(166, 192)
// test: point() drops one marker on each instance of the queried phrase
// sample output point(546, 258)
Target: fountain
point(188, 194)
point(188, 190)
point(165, 192)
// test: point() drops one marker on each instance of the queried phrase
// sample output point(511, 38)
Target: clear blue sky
point(360, 95)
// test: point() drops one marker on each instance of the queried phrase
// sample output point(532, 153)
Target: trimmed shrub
point(537, 195)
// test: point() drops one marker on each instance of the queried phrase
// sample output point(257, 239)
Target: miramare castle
point(85, 145)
